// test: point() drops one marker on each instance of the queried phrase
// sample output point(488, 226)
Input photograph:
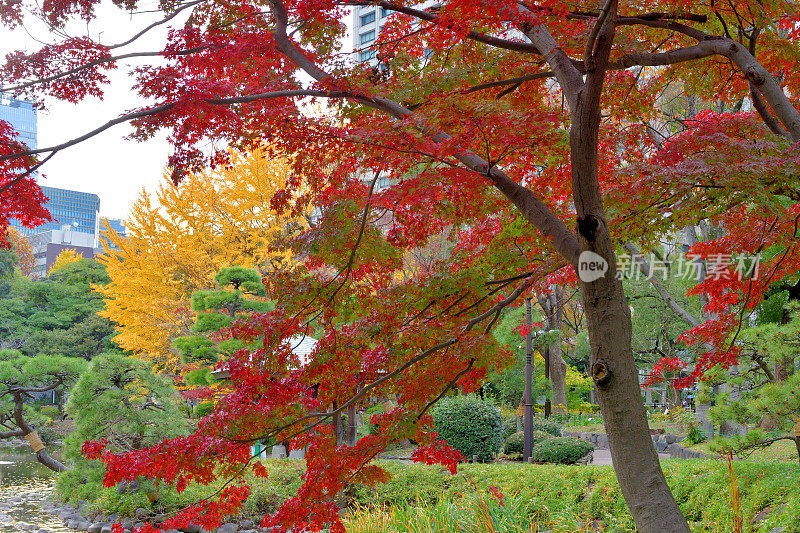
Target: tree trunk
point(797, 445)
point(33, 438)
point(53, 464)
point(553, 307)
point(609, 323)
point(613, 369)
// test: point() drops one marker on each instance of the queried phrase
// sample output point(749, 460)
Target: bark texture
point(25, 429)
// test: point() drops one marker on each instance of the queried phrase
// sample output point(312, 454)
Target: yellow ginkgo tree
point(179, 238)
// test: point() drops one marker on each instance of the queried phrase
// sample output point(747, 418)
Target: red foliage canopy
point(471, 114)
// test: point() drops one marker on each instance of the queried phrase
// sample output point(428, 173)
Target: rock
point(279, 451)
point(246, 524)
point(765, 512)
point(228, 528)
point(124, 487)
point(95, 528)
point(671, 439)
point(84, 525)
point(297, 454)
point(141, 513)
point(661, 445)
point(106, 529)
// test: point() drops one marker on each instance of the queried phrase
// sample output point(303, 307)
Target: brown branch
point(96, 62)
point(511, 81)
point(496, 42)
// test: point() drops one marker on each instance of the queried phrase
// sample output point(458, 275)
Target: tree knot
point(601, 374)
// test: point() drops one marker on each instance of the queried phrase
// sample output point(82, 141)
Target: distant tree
point(20, 378)
point(66, 257)
point(57, 315)
point(22, 248)
point(120, 401)
point(177, 241)
point(239, 292)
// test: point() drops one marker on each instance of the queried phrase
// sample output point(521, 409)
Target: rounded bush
point(548, 426)
point(516, 442)
point(509, 426)
point(564, 450)
point(204, 409)
point(469, 425)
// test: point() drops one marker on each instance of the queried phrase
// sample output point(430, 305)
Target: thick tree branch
point(534, 210)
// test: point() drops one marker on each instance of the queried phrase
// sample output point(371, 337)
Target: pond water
point(24, 485)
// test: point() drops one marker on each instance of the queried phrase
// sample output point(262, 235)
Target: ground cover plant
point(555, 497)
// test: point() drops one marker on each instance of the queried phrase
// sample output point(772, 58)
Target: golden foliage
point(67, 256)
point(177, 241)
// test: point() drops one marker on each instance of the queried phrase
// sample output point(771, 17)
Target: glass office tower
point(22, 116)
point(76, 209)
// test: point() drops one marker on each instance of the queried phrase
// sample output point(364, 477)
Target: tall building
point(47, 245)
point(22, 116)
point(72, 208)
point(368, 21)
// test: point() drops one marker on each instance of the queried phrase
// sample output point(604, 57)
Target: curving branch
point(532, 208)
point(427, 16)
point(90, 64)
point(41, 455)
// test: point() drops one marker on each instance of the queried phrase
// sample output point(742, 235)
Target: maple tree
point(177, 241)
point(20, 196)
point(506, 122)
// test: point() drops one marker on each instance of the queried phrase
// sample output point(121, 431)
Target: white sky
point(114, 168)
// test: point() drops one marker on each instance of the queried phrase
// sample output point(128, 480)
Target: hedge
point(469, 425)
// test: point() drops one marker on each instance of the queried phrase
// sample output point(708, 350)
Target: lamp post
point(547, 406)
point(528, 429)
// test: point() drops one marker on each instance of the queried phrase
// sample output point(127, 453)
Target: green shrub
point(469, 425)
point(548, 426)
point(203, 409)
point(50, 411)
point(49, 435)
point(374, 410)
point(564, 450)
point(516, 442)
